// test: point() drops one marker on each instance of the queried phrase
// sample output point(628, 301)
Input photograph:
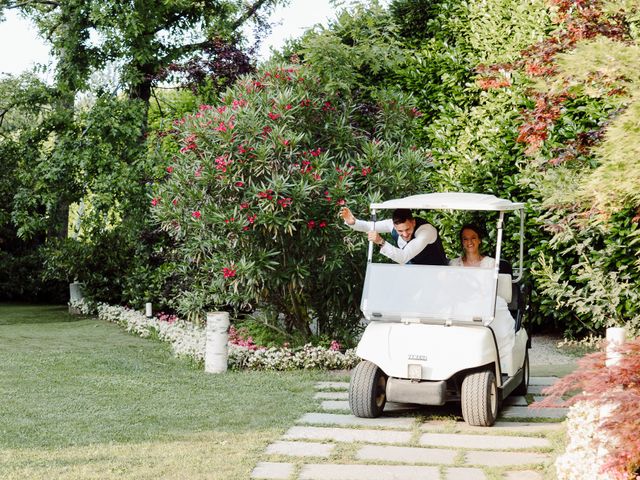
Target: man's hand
point(375, 238)
point(347, 216)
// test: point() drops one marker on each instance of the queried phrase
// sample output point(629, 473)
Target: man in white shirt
point(417, 241)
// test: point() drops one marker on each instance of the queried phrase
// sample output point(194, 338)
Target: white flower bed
point(583, 456)
point(189, 340)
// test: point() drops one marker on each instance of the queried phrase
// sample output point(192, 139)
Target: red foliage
point(578, 20)
point(617, 385)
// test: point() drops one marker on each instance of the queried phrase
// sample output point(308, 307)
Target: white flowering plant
point(189, 340)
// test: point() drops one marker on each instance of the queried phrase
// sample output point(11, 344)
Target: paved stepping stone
point(526, 412)
point(502, 459)
point(543, 380)
point(536, 389)
point(335, 405)
point(489, 442)
point(272, 470)
point(464, 474)
point(300, 449)
point(407, 454)
point(347, 435)
point(332, 385)
point(523, 475)
point(368, 472)
point(351, 420)
point(516, 400)
point(518, 427)
point(332, 395)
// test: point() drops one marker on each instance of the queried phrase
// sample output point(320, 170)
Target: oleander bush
point(252, 193)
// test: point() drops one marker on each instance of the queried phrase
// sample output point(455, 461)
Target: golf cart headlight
point(415, 371)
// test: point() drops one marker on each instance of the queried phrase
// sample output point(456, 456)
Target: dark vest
point(433, 254)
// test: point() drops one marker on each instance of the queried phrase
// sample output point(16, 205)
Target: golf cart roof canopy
point(450, 201)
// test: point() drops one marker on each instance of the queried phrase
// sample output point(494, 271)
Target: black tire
point(480, 398)
point(523, 388)
point(367, 390)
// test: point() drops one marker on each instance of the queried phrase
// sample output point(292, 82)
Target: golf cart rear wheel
point(367, 390)
point(524, 385)
point(480, 398)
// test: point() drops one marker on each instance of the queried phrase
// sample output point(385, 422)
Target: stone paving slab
point(351, 420)
point(332, 395)
point(464, 474)
point(543, 380)
point(523, 475)
point(407, 454)
point(516, 400)
point(335, 405)
point(517, 427)
point(502, 459)
point(347, 435)
point(300, 449)
point(484, 442)
point(498, 427)
point(526, 412)
point(368, 472)
point(332, 385)
point(272, 470)
point(536, 389)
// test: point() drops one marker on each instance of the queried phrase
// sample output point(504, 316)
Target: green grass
point(80, 398)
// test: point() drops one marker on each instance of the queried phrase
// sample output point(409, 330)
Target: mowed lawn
point(82, 399)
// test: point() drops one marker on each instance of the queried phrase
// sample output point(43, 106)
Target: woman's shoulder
point(488, 262)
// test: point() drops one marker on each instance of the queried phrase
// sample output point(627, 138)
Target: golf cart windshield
point(417, 293)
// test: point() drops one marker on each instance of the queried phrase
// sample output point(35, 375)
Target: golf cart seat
point(515, 302)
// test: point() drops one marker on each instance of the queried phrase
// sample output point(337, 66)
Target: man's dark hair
point(401, 215)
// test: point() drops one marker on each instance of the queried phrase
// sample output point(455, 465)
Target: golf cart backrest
point(505, 287)
point(395, 292)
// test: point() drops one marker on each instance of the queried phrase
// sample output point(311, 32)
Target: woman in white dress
point(503, 325)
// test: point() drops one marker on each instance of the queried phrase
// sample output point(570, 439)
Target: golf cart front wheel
point(367, 390)
point(480, 398)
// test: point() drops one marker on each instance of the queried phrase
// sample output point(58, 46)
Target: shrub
point(252, 196)
point(616, 388)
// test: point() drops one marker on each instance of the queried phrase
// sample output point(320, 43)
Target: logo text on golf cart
point(418, 357)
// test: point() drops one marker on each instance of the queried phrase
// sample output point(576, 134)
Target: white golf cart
point(430, 338)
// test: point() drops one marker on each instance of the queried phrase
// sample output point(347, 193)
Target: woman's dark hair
point(472, 226)
point(401, 215)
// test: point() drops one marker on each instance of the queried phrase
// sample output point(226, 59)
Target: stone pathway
point(413, 443)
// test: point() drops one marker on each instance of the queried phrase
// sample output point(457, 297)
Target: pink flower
point(169, 169)
point(274, 116)
point(244, 205)
point(311, 224)
point(198, 171)
point(341, 202)
point(227, 220)
point(335, 346)
point(222, 109)
point(266, 130)
point(228, 272)
point(196, 214)
point(155, 202)
point(366, 171)
point(267, 194)
point(239, 184)
point(284, 202)
point(221, 127)
point(174, 201)
point(245, 228)
point(252, 218)
point(322, 224)
point(287, 106)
